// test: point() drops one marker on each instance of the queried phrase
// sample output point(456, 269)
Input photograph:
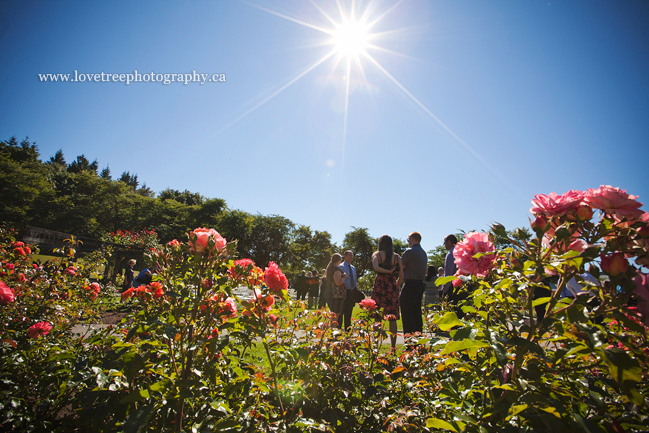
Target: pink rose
point(245, 270)
point(614, 201)
point(457, 283)
point(642, 292)
point(230, 307)
point(474, 243)
point(541, 224)
point(614, 264)
point(38, 329)
point(174, 244)
point(7, 294)
point(275, 278)
point(199, 240)
point(95, 287)
point(368, 304)
point(555, 204)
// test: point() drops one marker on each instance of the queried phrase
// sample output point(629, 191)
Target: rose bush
point(189, 356)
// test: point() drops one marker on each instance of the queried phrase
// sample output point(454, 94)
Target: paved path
point(82, 329)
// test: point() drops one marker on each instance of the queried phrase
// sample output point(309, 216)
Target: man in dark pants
point(350, 283)
point(414, 261)
point(301, 287)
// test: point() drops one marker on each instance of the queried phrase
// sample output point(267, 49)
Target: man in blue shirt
point(450, 268)
point(350, 283)
point(415, 262)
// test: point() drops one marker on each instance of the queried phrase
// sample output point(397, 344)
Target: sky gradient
point(467, 110)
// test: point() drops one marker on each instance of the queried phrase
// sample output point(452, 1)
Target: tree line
point(80, 199)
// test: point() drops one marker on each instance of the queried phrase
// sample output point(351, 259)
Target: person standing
point(385, 291)
point(128, 275)
point(350, 283)
point(450, 268)
point(322, 300)
point(414, 262)
point(314, 288)
point(335, 286)
point(301, 286)
point(431, 295)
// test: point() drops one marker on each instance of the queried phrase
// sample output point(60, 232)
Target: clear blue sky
point(499, 101)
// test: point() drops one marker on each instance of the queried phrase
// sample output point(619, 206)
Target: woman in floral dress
point(389, 276)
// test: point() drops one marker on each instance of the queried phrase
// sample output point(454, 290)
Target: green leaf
point(443, 280)
point(504, 283)
point(439, 423)
point(515, 410)
point(456, 346)
point(622, 367)
point(134, 396)
point(540, 301)
point(448, 321)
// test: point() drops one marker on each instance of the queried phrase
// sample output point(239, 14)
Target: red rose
point(7, 294)
point(127, 294)
point(275, 278)
point(614, 264)
point(38, 329)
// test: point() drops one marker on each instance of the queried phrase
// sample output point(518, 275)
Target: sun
point(351, 38)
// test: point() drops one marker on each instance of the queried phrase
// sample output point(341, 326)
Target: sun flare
point(351, 38)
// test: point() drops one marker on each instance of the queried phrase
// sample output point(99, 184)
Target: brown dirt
point(111, 317)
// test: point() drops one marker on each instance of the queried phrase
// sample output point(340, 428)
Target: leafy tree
point(58, 159)
point(82, 164)
point(236, 225)
point(22, 182)
point(130, 180)
point(399, 246)
point(105, 173)
point(437, 256)
point(23, 152)
point(321, 249)
point(301, 248)
point(270, 239)
point(185, 197)
point(205, 213)
point(363, 245)
point(145, 191)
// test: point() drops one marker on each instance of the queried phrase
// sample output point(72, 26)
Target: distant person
point(414, 261)
point(336, 286)
point(145, 277)
point(450, 268)
point(128, 275)
point(314, 288)
point(322, 298)
point(389, 276)
point(350, 283)
point(431, 294)
point(301, 286)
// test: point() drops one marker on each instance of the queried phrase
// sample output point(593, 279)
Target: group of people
point(308, 284)
point(399, 286)
point(144, 277)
